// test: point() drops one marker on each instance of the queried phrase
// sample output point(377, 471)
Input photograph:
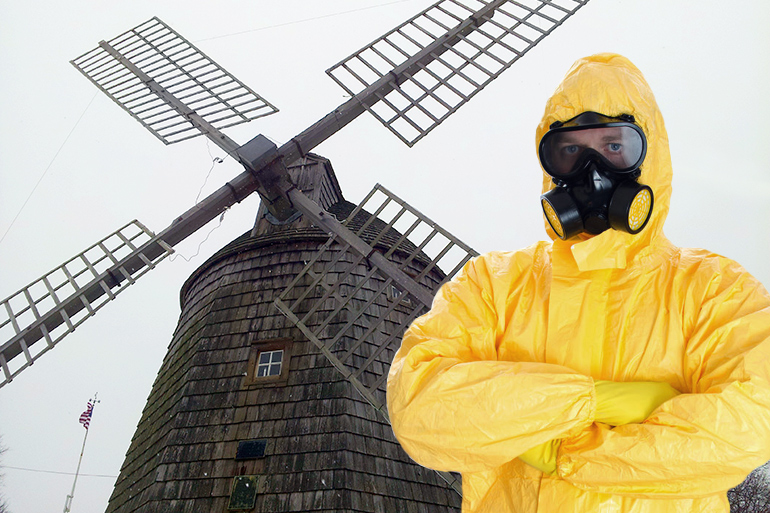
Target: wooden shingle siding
point(326, 448)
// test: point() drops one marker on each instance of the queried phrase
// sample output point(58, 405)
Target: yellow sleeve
point(454, 406)
point(701, 442)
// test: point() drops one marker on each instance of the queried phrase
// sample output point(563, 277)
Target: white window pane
point(269, 363)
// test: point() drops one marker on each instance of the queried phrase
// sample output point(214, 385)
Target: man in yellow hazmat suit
point(608, 370)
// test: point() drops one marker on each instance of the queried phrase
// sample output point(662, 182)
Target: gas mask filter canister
point(594, 162)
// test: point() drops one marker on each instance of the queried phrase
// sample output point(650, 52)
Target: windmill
point(411, 79)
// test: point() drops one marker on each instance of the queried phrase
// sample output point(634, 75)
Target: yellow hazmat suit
point(507, 357)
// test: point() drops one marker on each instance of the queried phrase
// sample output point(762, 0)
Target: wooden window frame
point(261, 346)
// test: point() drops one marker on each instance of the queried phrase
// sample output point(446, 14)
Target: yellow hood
point(611, 85)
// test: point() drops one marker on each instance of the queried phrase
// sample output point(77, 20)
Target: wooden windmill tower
point(271, 395)
point(248, 411)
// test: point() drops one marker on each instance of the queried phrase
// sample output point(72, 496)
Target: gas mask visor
point(615, 144)
point(594, 161)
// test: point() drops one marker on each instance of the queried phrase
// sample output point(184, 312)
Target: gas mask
point(594, 162)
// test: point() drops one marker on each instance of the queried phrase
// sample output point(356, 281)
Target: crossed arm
point(453, 410)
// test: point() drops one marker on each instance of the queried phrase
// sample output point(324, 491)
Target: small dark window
point(251, 449)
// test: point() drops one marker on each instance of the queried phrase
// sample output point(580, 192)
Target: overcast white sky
point(476, 175)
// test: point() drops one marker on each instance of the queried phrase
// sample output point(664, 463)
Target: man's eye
point(571, 149)
point(615, 147)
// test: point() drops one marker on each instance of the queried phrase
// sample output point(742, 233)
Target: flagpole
point(68, 502)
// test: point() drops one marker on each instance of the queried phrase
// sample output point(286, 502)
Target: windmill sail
point(54, 305)
point(172, 88)
point(407, 254)
point(397, 232)
point(438, 60)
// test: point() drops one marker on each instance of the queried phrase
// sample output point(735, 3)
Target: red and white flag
point(85, 417)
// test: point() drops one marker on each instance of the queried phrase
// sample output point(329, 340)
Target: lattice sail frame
point(466, 44)
point(167, 62)
point(421, 250)
point(103, 264)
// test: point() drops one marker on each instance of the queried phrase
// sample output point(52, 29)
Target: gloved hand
point(618, 404)
point(543, 456)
